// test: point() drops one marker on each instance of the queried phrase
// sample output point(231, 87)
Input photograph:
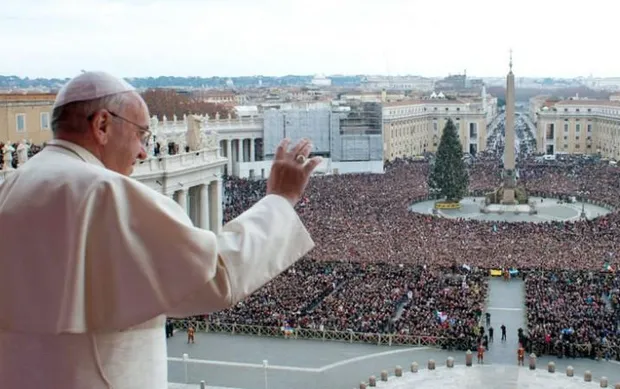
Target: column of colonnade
point(203, 204)
point(238, 150)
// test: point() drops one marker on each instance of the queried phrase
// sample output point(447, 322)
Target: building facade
point(412, 128)
point(26, 116)
point(343, 134)
point(356, 133)
point(580, 127)
point(537, 103)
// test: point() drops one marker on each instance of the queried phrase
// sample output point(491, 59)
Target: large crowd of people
point(574, 314)
point(369, 298)
point(379, 268)
point(364, 218)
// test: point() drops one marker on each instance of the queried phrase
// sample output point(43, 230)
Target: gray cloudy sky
point(57, 38)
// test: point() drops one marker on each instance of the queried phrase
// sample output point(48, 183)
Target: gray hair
point(72, 117)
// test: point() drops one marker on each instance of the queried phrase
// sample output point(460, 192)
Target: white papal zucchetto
point(90, 86)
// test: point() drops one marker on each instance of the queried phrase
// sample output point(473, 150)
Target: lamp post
point(265, 366)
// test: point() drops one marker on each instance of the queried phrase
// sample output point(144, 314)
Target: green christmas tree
point(448, 174)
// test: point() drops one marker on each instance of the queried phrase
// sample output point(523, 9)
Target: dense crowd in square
point(388, 270)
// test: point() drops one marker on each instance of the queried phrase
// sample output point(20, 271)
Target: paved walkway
point(235, 361)
point(506, 304)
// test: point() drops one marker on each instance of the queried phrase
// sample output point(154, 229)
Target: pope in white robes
point(93, 261)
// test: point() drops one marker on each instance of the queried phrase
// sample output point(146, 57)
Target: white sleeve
point(145, 258)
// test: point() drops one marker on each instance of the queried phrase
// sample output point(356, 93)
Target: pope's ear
point(100, 125)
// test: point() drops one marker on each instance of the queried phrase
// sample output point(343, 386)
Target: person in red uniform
point(190, 335)
point(481, 353)
point(521, 355)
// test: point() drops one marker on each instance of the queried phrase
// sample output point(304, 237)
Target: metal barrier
point(314, 334)
point(346, 336)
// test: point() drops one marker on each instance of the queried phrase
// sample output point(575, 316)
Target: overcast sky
point(58, 38)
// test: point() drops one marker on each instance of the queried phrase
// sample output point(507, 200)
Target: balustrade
point(175, 162)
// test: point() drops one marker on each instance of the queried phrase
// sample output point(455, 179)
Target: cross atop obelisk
point(509, 144)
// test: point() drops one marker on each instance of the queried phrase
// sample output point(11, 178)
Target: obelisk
point(509, 144)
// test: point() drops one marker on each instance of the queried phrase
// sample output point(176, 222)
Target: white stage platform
point(497, 208)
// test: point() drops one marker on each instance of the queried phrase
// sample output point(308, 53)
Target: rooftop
point(589, 103)
point(424, 102)
point(24, 97)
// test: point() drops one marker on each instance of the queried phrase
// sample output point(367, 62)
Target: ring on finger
point(300, 159)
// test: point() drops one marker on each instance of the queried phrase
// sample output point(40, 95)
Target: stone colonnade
point(238, 150)
point(203, 204)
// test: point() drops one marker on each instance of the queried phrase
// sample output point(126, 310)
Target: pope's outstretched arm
point(146, 258)
point(251, 250)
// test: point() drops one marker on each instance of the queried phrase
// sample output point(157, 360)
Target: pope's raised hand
point(291, 170)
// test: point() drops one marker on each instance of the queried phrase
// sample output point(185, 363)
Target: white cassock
point(93, 261)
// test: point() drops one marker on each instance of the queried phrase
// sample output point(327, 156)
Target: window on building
point(566, 127)
point(565, 146)
point(577, 110)
point(589, 109)
point(45, 120)
point(473, 130)
point(565, 137)
point(577, 137)
point(473, 148)
point(20, 122)
point(589, 128)
point(550, 135)
point(577, 127)
point(577, 146)
point(550, 149)
point(565, 109)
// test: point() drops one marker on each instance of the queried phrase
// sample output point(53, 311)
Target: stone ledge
point(174, 385)
point(490, 377)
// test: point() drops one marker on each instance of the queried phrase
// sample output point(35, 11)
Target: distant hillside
point(524, 94)
point(14, 82)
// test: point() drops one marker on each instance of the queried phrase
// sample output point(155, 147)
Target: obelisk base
point(508, 197)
